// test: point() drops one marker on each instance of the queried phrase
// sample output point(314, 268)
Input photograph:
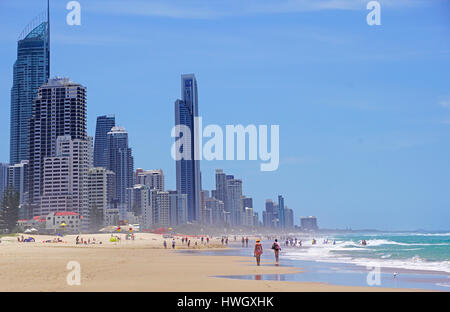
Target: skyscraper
point(188, 170)
point(281, 212)
point(235, 199)
point(104, 125)
point(31, 70)
point(3, 179)
point(221, 188)
point(58, 110)
point(120, 161)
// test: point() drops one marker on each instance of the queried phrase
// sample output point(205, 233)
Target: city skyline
point(367, 164)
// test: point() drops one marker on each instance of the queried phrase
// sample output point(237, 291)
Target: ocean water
point(413, 251)
point(421, 260)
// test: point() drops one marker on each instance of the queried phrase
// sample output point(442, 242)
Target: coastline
point(140, 265)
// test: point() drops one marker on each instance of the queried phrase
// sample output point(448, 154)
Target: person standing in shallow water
point(276, 248)
point(258, 252)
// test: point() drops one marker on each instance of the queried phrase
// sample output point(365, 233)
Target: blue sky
point(364, 111)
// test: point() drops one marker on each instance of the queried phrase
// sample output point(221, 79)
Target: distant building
point(160, 208)
point(308, 224)
point(177, 208)
point(234, 199)
point(281, 212)
point(3, 179)
point(103, 126)
point(139, 203)
point(248, 217)
point(215, 211)
point(18, 179)
point(270, 215)
point(98, 189)
point(120, 161)
point(288, 218)
point(154, 179)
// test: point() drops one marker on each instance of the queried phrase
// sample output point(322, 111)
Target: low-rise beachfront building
point(68, 221)
point(38, 223)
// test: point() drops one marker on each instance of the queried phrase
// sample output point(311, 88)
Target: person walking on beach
point(243, 241)
point(165, 245)
point(276, 248)
point(246, 242)
point(173, 243)
point(258, 251)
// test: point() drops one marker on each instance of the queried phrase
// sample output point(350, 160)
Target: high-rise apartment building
point(18, 179)
point(177, 208)
point(98, 189)
point(160, 208)
point(139, 203)
point(120, 161)
point(3, 179)
point(65, 179)
point(152, 178)
point(235, 199)
point(103, 126)
point(58, 110)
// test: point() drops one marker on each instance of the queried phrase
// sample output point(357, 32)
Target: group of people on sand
point(187, 241)
point(81, 241)
point(259, 251)
point(22, 239)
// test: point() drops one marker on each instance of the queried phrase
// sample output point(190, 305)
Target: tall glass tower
point(104, 125)
point(188, 171)
point(281, 211)
point(119, 159)
point(31, 70)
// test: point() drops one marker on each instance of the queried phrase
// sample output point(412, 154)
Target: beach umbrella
point(33, 230)
point(27, 231)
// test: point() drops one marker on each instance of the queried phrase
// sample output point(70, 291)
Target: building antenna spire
point(48, 35)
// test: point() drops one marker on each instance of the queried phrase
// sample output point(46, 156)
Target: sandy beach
point(139, 265)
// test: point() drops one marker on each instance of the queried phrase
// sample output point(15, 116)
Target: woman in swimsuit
point(258, 251)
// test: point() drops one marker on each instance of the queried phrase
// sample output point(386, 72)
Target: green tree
point(95, 218)
point(9, 213)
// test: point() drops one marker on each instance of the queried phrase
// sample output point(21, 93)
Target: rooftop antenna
point(48, 34)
